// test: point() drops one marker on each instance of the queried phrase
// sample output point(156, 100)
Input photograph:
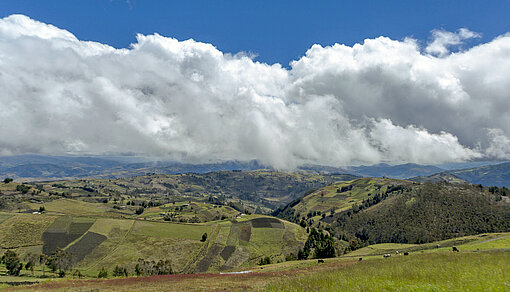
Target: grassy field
point(23, 230)
point(74, 207)
point(440, 271)
point(422, 272)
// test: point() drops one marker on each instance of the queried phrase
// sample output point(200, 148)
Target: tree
point(22, 188)
point(204, 237)
point(12, 263)
point(139, 210)
point(60, 260)
point(163, 267)
point(43, 261)
point(103, 273)
point(119, 271)
point(265, 261)
point(31, 260)
point(42, 209)
point(8, 180)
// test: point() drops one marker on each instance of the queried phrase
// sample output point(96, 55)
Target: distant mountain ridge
point(489, 175)
point(40, 167)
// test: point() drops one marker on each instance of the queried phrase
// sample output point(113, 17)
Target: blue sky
point(276, 31)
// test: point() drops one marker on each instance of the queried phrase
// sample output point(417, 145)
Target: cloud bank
point(380, 101)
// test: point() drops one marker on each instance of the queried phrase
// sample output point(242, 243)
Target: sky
point(275, 31)
point(286, 83)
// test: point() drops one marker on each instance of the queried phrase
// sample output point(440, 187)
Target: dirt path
point(492, 239)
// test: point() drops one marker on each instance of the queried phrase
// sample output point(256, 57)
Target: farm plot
point(64, 231)
point(206, 262)
point(23, 230)
point(266, 222)
point(4, 216)
point(245, 232)
point(227, 252)
point(85, 245)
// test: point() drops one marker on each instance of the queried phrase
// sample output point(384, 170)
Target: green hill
point(375, 210)
point(337, 197)
point(425, 213)
point(481, 265)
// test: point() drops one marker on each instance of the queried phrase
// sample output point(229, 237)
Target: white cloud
point(443, 39)
point(499, 147)
point(382, 100)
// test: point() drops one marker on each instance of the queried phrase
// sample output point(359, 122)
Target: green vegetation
point(91, 228)
point(12, 263)
point(337, 198)
point(430, 272)
point(425, 213)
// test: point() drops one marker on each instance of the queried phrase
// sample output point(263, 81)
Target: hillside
point(402, 171)
point(261, 191)
point(481, 264)
point(337, 198)
point(97, 242)
point(376, 210)
point(439, 177)
point(425, 213)
point(489, 175)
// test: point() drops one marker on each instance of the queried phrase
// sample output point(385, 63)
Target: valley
point(230, 221)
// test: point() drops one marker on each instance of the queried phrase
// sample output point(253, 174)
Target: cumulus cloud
point(443, 39)
point(380, 101)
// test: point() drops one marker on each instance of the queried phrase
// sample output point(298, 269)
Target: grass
point(482, 271)
point(171, 230)
point(4, 216)
point(24, 230)
point(430, 272)
point(331, 197)
point(73, 207)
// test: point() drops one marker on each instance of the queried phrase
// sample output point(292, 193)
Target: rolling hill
point(402, 171)
point(375, 210)
point(439, 177)
point(488, 175)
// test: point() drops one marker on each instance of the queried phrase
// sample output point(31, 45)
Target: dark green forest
point(426, 213)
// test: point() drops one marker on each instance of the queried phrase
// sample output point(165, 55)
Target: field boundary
point(201, 253)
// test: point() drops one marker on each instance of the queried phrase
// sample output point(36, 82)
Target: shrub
point(103, 273)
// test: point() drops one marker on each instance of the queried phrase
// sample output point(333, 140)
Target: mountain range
point(40, 167)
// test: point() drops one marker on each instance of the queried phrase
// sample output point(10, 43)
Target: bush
point(12, 263)
point(265, 261)
point(103, 273)
point(8, 180)
point(139, 210)
point(120, 272)
point(22, 188)
point(204, 237)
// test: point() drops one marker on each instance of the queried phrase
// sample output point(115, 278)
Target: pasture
point(441, 271)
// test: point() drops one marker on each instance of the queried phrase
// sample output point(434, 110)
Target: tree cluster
point(320, 244)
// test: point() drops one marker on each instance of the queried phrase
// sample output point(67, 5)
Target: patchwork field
point(431, 270)
point(98, 242)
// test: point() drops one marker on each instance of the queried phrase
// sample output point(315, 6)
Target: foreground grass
point(421, 272)
point(476, 271)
